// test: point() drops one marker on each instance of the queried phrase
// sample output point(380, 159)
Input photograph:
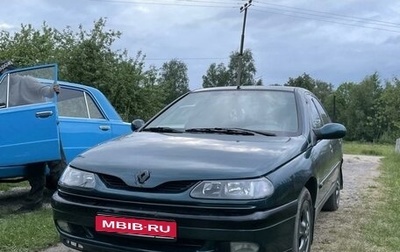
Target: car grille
point(168, 187)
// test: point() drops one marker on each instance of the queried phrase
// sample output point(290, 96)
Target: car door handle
point(104, 127)
point(44, 114)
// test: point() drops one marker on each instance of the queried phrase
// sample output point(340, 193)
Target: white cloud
point(5, 26)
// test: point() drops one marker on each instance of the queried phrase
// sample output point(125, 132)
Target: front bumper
point(271, 229)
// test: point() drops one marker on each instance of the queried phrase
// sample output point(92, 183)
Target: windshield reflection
point(257, 110)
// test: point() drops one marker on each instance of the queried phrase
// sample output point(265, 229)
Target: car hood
point(177, 157)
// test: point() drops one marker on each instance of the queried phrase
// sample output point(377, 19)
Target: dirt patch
point(341, 230)
point(12, 199)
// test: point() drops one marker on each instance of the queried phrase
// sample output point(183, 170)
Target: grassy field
point(383, 228)
point(8, 186)
point(27, 232)
point(367, 149)
point(35, 231)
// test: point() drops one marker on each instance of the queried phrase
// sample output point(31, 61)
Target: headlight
point(234, 189)
point(78, 178)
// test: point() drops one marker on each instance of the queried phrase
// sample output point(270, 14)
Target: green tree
point(87, 57)
point(363, 114)
point(342, 97)
point(151, 95)
point(173, 80)
point(220, 75)
point(217, 76)
point(323, 90)
point(391, 108)
point(29, 46)
point(304, 81)
point(248, 68)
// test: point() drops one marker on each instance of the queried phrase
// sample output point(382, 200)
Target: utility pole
point(239, 73)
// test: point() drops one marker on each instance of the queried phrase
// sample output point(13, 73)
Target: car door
point(322, 152)
point(28, 132)
point(333, 155)
point(82, 122)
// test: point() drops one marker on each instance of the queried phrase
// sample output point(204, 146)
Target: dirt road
point(332, 228)
point(341, 230)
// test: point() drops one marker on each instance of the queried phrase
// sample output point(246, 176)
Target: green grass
point(383, 228)
point(28, 232)
point(367, 149)
point(8, 186)
point(24, 232)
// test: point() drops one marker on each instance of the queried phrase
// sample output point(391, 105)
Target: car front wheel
point(303, 230)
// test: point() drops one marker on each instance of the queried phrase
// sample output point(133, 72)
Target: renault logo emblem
point(143, 176)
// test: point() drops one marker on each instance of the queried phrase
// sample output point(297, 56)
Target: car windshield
point(266, 112)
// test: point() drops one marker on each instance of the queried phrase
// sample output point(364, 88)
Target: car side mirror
point(137, 124)
point(330, 131)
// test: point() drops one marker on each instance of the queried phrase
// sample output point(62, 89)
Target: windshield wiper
point(229, 131)
point(264, 133)
point(162, 129)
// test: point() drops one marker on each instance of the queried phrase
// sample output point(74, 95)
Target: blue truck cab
point(76, 119)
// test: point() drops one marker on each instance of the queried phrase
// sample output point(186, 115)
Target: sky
point(332, 41)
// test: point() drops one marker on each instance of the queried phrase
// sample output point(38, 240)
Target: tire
point(332, 204)
point(304, 224)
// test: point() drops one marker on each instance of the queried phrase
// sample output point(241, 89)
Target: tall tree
point(217, 76)
point(151, 95)
point(320, 88)
point(391, 108)
point(304, 81)
point(173, 80)
point(29, 46)
point(343, 98)
point(363, 114)
point(85, 56)
point(248, 68)
point(220, 75)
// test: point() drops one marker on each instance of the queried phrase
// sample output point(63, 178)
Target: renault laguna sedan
point(233, 169)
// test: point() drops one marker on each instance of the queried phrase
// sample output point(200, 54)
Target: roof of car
point(276, 88)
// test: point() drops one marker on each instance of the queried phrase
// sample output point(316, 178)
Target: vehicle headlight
point(234, 189)
point(78, 178)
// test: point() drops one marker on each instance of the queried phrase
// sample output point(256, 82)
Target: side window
point(17, 90)
point(94, 111)
point(324, 116)
point(76, 103)
point(315, 117)
point(71, 103)
point(3, 92)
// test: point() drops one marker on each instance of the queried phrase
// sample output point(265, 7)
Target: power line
point(198, 3)
point(325, 19)
point(391, 24)
point(278, 9)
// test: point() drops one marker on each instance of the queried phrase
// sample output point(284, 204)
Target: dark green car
point(239, 169)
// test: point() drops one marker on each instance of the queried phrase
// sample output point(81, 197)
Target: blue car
point(78, 118)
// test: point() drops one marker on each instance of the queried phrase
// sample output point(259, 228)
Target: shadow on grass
point(13, 199)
